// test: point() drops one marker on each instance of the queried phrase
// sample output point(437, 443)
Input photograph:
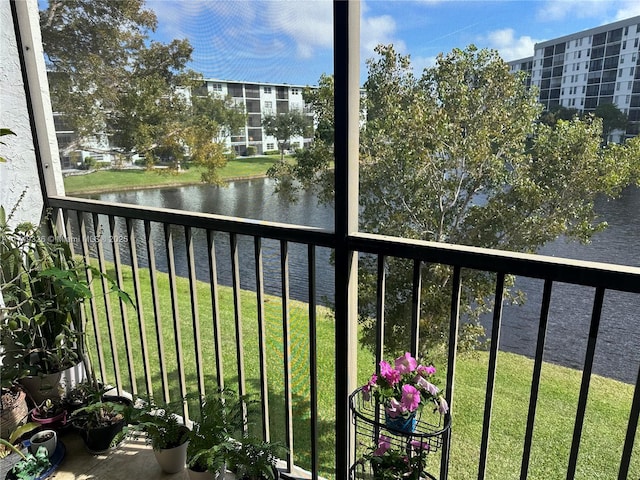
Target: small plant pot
point(98, 440)
point(14, 414)
point(401, 424)
point(196, 475)
point(172, 460)
point(45, 438)
point(54, 423)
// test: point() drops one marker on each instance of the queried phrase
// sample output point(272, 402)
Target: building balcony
point(215, 309)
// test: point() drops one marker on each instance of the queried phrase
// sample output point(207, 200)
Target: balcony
point(192, 336)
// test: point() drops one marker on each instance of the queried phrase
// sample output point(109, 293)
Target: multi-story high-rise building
point(590, 68)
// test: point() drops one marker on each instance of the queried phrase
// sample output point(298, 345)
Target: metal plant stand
point(368, 419)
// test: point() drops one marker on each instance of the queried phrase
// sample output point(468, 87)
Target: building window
point(267, 89)
point(271, 146)
point(635, 43)
point(295, 91)
point(268, 105)
point(216, 87)
point(624, 44)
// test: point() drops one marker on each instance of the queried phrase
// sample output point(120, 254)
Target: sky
point(291, 41)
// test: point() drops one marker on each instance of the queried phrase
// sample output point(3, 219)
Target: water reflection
point(618, 347)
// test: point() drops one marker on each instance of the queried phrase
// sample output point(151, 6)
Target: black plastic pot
point(98, 440)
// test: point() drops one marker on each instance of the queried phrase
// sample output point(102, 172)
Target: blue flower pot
point(404, 424)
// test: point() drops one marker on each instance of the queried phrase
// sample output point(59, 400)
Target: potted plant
point(255, 459)
point(166, 432)
point(26, 466)
point(211, 443)
point(51, 414)
point(403, 390)
point(391, 461)
point(30, 466)
point(13, 408)
point(101, 422)
point(44, 438)
point(43, 288)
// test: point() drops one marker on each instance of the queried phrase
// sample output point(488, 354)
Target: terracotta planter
point(13, 414)
point(172, 460)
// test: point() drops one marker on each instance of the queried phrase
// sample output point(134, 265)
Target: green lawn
point(603, 434)
point(112, 180)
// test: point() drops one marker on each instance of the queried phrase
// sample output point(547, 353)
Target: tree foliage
point(458, 155)
point(108, 78)
point(612, 119)
point(284, 126)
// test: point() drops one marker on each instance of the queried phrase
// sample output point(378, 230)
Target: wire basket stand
point(368, 418)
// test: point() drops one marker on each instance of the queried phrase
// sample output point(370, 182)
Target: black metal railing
point(174, 371)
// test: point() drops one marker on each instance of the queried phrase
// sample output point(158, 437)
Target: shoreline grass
point(124, 179)
point(608, 406)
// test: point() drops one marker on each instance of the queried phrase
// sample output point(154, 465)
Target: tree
point(458, 155)
point(612, 119)
point(283, 126)
point(558, 112)
point(108, 79)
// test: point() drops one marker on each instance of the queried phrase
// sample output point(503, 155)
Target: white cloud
point(309, 24)
point(510, 47)
point(378, 30)
point(628, 10)
point(554, 10)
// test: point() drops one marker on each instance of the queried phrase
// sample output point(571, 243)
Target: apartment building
point(590, 68)
point(259, 100)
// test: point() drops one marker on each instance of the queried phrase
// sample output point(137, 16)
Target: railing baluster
point(313, 361)
point(286, 351)
point(454, 323)
point(175, 310)
point(155, 298)
point(215, 310)
point(195, 317)
point(632, 427)
point(92, 303)
point(380, 289)
point(115, 247)
point(235, 272)
point(491, 375)
point(415, 307)
point(135, 276)
point(262, 339)
point(107, 303)
point(535, 381)
point(586, 379)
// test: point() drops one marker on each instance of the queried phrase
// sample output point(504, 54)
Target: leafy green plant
point(30, 466)
point(43, 287)
point(222, 416)
point(99, 414)
point(161, 423)
point(255, 459)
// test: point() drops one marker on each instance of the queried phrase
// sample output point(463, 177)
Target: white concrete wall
point(19, 174)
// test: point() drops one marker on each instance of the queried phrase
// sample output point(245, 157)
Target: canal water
point(618, 348)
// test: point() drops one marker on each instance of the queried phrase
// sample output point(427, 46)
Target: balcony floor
point(132, 460)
